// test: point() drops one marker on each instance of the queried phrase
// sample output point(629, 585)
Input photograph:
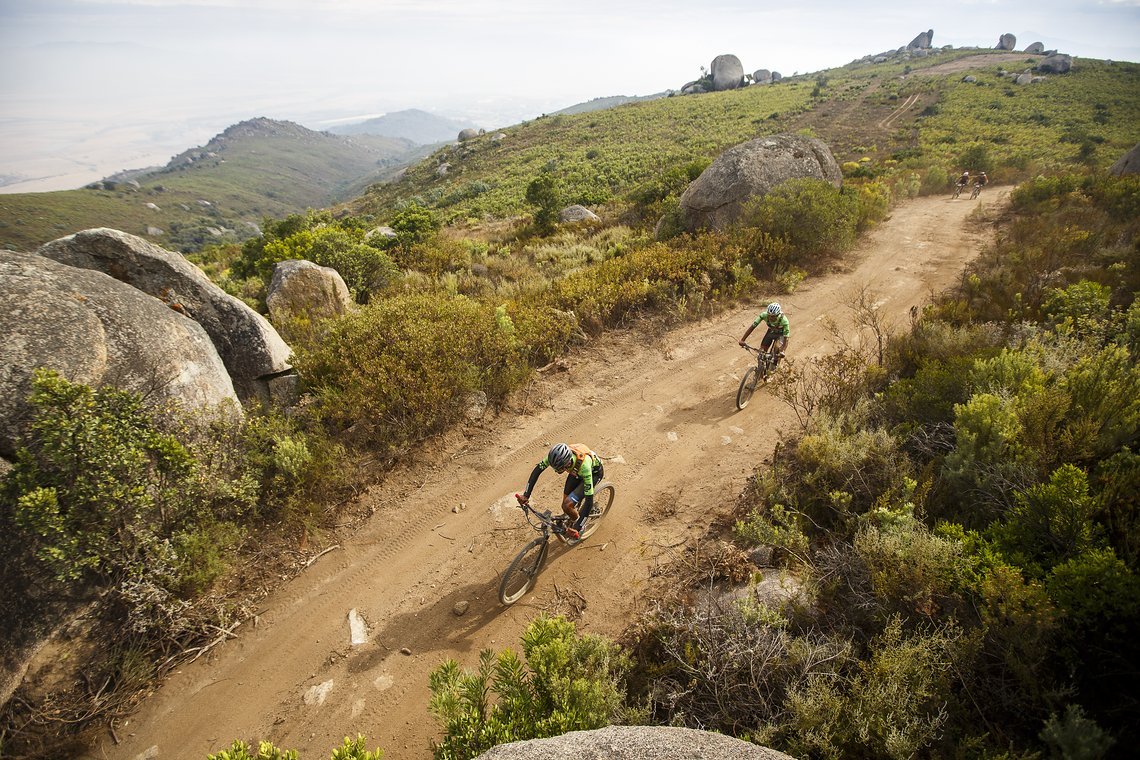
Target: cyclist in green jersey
point(778, 329)
point(584, 469)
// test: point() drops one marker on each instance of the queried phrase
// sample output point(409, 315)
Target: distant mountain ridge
point(218, 192)
point(420, 127)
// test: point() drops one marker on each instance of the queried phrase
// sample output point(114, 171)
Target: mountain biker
point(778, 328)
point(964, 179)
point(981, 180)
point(584, 470)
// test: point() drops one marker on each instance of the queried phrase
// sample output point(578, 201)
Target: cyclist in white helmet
point(778, 329)
point(584, 470)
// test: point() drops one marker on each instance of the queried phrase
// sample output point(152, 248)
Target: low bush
point(407, 366)
point(569, 682)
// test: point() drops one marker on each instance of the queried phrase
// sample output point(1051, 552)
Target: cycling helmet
point(774, 309)
point(560, 456)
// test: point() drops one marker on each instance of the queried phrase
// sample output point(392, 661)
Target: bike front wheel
point(957, 192)
point(522, 571)
point(603, 500)
point(747, 386)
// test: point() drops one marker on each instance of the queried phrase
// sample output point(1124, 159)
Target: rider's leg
point(782, 343)
point(571, 495)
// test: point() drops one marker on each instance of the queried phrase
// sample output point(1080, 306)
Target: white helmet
point(560, 456)
point(774, 309)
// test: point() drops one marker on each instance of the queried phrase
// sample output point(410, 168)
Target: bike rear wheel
point(603, 500)
point(747, 386)
point(522, 571)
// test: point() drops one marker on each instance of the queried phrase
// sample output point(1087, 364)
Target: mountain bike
point(957, 191)
point(524, 568)
point(765, 366)
point(976, 191)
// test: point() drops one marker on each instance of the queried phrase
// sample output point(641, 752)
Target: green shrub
point(894, 705)
point(810, 216)
point(1050, 523)
point(409, 364)
point(570, 682)
point(1100, 600)
point(1075, 737)
point(365, 270)
point(239, 750)
point(414, 224)
point(777, 527)
point(913, 572)
point(545, 193)
point(94, 482)
point(350, 749)
point(1104, 392)
point(842, 473)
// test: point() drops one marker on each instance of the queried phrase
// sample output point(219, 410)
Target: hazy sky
point(88, 87)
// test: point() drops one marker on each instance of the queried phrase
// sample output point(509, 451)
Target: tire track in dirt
point(895, 114)
point(674, 437)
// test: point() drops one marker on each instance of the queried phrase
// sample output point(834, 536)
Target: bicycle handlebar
point(543, 517)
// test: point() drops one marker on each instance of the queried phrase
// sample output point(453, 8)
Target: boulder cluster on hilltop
point(727, 73)
point(102, 307)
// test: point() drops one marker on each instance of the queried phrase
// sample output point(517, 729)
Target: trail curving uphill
point(661, 409)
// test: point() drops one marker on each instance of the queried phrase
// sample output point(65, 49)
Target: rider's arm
point(538, 468)
point(748, 332)
point(586, 473)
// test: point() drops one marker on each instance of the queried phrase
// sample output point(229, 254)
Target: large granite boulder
point(751, 169)
point(634, 743)
point(577, 213)
point(95, 330)
point(1006, 42)
point(727, 72)
point(762, 76)
point(1058, 63)
point(1129, 163)
point(468, 134)
point(247, 343)
point(922, 41)
point(1035, 48)
point(301, 288)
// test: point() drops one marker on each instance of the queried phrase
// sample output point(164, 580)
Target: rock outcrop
point(922, 41)
point(751, 169)
point(762, 76)
point(247, 343)
point(727, 72)
point(1058, 63)
point(634, 743)
point(577, 213)
point(1129, 163)
point(1035, 48)
point(301, 288)
point(94, 329)
point(468, 134)
point(1006, 42)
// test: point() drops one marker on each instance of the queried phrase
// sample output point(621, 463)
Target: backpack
point(581, 451)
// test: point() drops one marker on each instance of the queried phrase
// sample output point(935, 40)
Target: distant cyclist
point(964, 179)
point(778, 329)
point(584, 470)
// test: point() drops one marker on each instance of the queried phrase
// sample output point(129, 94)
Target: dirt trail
point(661, 410)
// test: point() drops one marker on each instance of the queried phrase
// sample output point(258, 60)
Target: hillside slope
point(659, 407)
point(218, 192)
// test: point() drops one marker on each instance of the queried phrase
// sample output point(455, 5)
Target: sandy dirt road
point(660, 408)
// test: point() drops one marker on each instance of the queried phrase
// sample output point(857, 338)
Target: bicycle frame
point(765, 366)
